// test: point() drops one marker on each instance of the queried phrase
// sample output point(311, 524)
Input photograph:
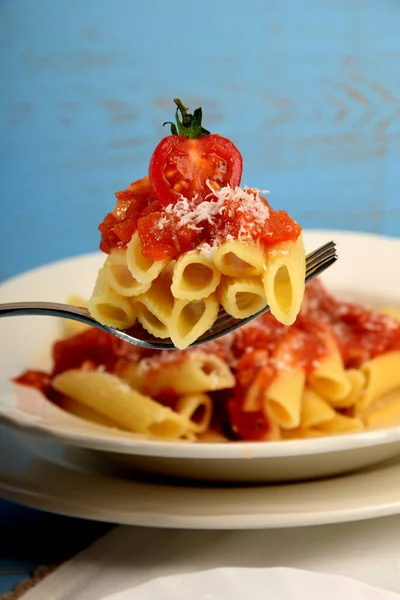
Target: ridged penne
point(142, 269)
point(314, 410)
point(194, 277)
point(341, 424)
point(191, 318)
point(357, 380)
point(199, 372)
point(283, 398)
point(385, 412)
point(329, 377)
point(108, 307)
point(382, 376)
point(239, 259)
point(114, 399)
point(284, 280)
point(120, 278)
point(197, 408)
point(154, 308)
point(84, 412)
point(242, 297)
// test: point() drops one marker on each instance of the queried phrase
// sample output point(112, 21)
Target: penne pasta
point(197, 408)
point(357, 380)
point(191, 318)
point(283, 398)
point(120, 278)
point(382, 376)
point(242, 297)
point(109, 308)
point(329, 377)
point(341, 424)
point(154, 308)
point(385, 412)
point(142, 269)
point(315, 411)
point(284, 280)
point(239, 259)
point(108, 396)
point(197, 373)
point(84, 412)
point(194, 277)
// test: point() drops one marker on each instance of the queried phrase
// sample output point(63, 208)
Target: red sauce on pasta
point(255, 353)
point(169, 231)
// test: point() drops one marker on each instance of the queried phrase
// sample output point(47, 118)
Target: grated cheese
point(246, 202)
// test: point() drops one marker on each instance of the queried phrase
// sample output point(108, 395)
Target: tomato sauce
point(164, 234)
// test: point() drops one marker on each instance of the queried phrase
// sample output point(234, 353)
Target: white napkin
point(128, 556)
point(257, 584)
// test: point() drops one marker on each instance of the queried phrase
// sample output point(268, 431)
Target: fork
point(316, 262)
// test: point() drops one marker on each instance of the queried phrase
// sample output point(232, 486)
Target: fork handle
point(50, 309)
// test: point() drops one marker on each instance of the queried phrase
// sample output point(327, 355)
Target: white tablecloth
point(368, 551)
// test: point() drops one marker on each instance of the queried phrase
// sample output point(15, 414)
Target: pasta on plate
point(188, 239)
point(335, 370)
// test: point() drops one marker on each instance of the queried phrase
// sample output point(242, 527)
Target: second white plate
point(63, 488)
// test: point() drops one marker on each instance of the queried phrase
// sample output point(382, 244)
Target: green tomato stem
point(187, 125)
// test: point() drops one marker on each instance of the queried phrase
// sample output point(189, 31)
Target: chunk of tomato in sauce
point(39, 380)
point(280, 228)
point(91, 346)
point(161, 238)
point(118, 226)
point(109, 239)
point(250, 426)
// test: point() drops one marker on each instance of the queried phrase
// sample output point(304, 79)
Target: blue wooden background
point(308, 89)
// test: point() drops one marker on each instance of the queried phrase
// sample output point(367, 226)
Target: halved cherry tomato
point(182, 163)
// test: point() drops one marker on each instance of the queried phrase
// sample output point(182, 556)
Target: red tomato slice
point(181, 166)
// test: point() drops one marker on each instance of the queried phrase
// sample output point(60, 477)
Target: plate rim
point(207, 451)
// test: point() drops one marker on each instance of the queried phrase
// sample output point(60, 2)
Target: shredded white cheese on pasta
point(246, 202)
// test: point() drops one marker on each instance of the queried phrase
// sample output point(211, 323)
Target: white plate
point(257, 584)
point(366, 270)
point(66, 489)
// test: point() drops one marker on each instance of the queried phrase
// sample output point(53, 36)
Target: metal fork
point(316, 262)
